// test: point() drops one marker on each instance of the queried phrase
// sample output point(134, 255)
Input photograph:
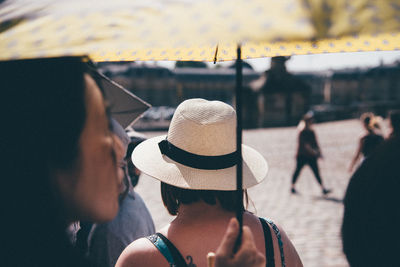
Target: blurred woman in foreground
point(371, 218)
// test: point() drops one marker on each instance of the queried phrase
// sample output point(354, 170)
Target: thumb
point(229, 239)
point(247, 237)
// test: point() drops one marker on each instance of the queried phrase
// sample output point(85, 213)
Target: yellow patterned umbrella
point(191, 30)
point(202, 30)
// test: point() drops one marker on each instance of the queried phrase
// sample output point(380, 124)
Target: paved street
point(311, 221)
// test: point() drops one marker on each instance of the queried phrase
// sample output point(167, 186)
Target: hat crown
point(204, 127)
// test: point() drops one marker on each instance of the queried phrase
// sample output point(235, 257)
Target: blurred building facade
point(351, 92)
point(164, 87)
point(273, 98)
point(282, 96)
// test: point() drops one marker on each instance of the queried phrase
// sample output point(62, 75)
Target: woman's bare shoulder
point(141, 252)
point(292, 258)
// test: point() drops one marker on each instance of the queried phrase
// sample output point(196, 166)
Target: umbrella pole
point(239, 166)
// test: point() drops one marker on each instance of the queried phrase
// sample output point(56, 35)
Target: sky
point(320, 62)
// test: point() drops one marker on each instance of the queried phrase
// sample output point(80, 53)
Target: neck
point(196, 211)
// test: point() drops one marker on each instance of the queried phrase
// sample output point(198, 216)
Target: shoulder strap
point(162, 247)
point(168, 250)
point(178, 258)
point(269, 246)
point(279, 237)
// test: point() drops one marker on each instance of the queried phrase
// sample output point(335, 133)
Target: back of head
point(43, 107)
point(306, 121)
point(133, 172)
point(173, 197)
point(206, 128)
point(370, 121)
point(371, 220)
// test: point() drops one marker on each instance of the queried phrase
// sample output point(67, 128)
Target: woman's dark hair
point(370, 230)
point(43, 115)
point(369, 120)
point(395, 121)
point(173, 196)
point(135, 141)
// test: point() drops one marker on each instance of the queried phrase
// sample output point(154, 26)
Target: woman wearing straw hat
point(195, 163)
point(370, 141)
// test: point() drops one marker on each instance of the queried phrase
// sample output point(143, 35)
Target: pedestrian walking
point(196, 164)
point(308, 152)
point(370, 141)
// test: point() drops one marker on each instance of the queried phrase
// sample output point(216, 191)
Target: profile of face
point(90, 190)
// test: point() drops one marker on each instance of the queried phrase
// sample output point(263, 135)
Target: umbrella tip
point(216, 54)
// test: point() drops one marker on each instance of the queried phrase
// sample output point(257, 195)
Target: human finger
point(248, 254)
point(228, 241)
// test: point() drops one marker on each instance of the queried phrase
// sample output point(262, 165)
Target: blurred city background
point(277, 92)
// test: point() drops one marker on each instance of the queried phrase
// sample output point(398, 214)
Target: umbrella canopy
point(191, 30)
point(125, 107)
point(207, 30)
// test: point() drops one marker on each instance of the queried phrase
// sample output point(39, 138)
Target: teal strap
point(280, 243)
point(162, 247)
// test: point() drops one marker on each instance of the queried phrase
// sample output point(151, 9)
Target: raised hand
point(247, 255)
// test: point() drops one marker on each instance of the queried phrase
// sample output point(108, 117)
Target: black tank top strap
point(176, 255)
point(279, 238)
point(269, 245)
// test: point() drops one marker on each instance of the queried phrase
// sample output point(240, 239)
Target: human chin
point(107, 210)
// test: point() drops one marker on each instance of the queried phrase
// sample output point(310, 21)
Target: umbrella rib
point(129, 111)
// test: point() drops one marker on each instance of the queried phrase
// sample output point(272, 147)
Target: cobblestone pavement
point(311, 221)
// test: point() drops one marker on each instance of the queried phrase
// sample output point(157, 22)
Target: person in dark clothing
point(370, 141)
point(371, 219)
point(308, 152)
point(394, 116)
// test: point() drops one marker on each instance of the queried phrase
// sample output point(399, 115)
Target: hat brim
point(148, 158)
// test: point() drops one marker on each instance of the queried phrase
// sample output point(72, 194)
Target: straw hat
point(199, 150)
